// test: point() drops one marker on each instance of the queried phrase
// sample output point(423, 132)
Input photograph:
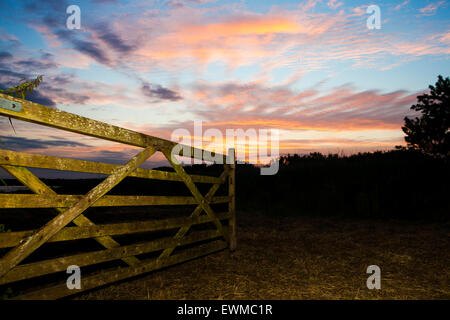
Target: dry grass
point(306, 258)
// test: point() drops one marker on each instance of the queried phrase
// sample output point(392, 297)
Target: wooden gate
point(187, 243)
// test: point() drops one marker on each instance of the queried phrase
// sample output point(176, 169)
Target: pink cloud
point(189, 38)
point(431, 9)
point(237, 39)
point(184, 38)
point(443, 38)
point(401, 5)
point(309, 4)
point(344, 108)
point(334, 4)
point(343, 111)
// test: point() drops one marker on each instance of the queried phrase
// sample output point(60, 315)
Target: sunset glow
point(310, 69)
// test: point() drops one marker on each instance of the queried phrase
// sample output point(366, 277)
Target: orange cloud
point(254, 104)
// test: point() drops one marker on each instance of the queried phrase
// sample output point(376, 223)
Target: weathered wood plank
point(41, 268)
point(36, 113)
point(22, 159)
point(195, 214)
point(11, 239)
point(16, 255)
point(39, 187)
point(8, 201)
point(114, 275)
point(193, 189)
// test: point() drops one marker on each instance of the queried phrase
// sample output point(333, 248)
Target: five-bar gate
point(69, 223)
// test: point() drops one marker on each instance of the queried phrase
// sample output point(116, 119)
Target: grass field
point(307, 258)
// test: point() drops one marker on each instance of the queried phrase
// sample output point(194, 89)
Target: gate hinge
point(10, 105)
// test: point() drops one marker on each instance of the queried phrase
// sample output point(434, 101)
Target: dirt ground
point(307, 258)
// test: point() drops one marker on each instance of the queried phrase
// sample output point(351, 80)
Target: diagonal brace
point(16, 255)
point(184, 229)
point(203, 202)
point(37, 186)
point(191, 186)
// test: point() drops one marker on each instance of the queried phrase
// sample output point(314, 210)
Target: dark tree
point(430, 132)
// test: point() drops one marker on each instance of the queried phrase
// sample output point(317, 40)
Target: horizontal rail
point(37, 186)
point(11, 239)
point(45, 267)
point(36, 113)
point(90, 282)
point(9, 201)
point(22, 159)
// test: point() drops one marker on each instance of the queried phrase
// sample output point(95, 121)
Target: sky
point(311, 69)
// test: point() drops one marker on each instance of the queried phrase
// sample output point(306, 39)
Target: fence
point(185, 244)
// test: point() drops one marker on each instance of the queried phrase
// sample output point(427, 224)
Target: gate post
point(232, 194)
